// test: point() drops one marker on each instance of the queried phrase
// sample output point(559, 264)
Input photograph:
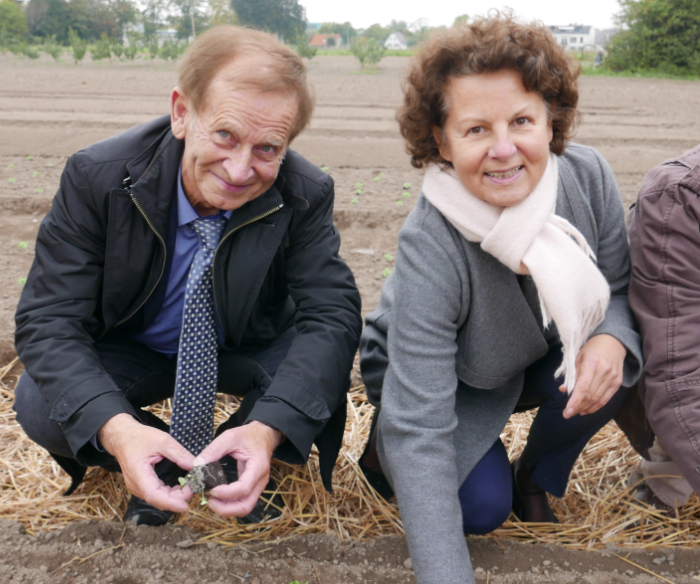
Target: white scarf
point(571, 289)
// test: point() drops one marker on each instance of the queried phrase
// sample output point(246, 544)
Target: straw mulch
point(597, 509)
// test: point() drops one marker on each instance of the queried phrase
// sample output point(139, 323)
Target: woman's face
point(496, 136)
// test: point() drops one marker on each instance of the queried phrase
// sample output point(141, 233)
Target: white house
point(575, 36)
point(396, 41)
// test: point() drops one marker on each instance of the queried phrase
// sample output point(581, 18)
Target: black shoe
point(269, 505)
point(142, 513)
point(530, 503)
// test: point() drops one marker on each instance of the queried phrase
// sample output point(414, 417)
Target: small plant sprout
point(11, 165)
point(35, 173)
point(388, 257)
point(378, 177)
point(22, 245)
point(406, 186)
point(29, 157)
point(22, 281)
point(359, 185)
point(49, 164)
point(201, 479)
point(386, 272)
point(12, 180)
point(324, 168)
point(355, 201)
point(39, 190)
point(405, 195)
point(399, 203)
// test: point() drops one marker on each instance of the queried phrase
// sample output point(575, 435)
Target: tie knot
point(209, 230)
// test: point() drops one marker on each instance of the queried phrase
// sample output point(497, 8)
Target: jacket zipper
point(213, 260)
point(165, 257)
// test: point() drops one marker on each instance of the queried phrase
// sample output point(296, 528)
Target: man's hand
point(252, 446)
point(598, 375)
point(138, 448)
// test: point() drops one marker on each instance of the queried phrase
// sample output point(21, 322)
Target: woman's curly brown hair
point(488, 44)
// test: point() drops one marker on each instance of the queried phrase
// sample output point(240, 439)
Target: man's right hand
point(138, 448)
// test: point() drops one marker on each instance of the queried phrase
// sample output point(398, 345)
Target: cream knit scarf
point(530, 238)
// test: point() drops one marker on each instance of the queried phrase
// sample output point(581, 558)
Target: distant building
point(326, 41)
point(396, 41)
point(575, 36)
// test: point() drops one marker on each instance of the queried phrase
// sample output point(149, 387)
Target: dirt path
point(47, 111)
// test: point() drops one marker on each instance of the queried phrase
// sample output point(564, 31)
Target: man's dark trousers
point(147, 377)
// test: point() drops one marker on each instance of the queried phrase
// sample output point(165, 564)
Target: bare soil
point(49, 110)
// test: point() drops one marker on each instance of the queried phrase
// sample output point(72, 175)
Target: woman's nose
point(503, 147)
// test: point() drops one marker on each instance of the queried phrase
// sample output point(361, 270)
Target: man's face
point(235, 144)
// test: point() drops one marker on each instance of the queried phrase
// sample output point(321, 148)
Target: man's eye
point(224, 134)
point(268, 149)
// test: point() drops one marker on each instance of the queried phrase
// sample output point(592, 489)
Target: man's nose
point(239, 165)
point(503, 146)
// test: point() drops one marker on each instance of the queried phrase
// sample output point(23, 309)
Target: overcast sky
point(363, 13)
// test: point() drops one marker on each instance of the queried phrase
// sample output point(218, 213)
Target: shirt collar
point(185, 211)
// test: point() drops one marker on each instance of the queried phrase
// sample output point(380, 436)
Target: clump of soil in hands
point(202, 479)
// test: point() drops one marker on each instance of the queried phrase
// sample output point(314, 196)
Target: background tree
point(461, 19)
point(221, 13)
point(193, 18)
point(345, 30)
point(377, 32)
point(657, 34)
point(287, 18)
point(12, 20)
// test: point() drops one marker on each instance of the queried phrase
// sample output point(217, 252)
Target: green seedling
point(359, 185)
point(29, 157)
point(406, 186)
point(386, 272)
point(35, 173)
point(378, 177)
point(39, 190)
point(388, 257)
point(11, 165)
point(354, 201)
point(12, 180)
point(405, 195)
point(22, 281)
point(297, 582)
point(324, 168)
point(49, 164)
point(22, 245)
point(358, 191)
point(399, 203)
point(201, 479)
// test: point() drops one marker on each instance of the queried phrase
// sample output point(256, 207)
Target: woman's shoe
point(530, 503)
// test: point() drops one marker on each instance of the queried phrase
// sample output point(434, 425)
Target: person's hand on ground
point(598, 375)
point(252, 446)
point(138, 448)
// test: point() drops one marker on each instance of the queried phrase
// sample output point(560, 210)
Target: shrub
point(78, 45)
point(101, 49)
point(367, 51)
point(51, 47)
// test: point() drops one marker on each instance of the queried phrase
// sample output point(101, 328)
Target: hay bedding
point(596, 510)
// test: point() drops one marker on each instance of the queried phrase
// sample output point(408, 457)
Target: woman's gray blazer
point(451, 312)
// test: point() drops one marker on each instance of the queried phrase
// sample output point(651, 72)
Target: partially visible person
point(509, 293)
point(190, 255)
point(664, 293)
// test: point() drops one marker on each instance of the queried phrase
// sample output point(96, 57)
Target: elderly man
point(664, 293)
point(191, 255)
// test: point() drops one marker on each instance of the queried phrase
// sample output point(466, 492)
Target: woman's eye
point(521, 121)
point(475, 130)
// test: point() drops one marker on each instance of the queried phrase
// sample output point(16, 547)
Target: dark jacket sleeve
point(56, 316)
point(312, 381)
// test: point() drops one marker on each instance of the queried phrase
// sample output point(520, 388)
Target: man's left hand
point(252, 446)
point(598, 375)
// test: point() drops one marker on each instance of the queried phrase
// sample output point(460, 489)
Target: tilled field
point(47, 111)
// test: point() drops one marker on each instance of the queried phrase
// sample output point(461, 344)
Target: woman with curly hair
point(509, 293)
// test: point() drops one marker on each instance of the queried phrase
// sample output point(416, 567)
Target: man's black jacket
point(103, 250)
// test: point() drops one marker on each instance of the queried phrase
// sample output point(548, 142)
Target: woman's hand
point(598, 375)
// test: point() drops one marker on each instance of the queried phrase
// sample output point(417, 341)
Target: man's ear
point(179, 108)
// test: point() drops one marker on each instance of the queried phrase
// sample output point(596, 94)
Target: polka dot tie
point(192, 422)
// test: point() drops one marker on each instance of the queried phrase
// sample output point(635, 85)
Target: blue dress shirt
point(163, 334)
